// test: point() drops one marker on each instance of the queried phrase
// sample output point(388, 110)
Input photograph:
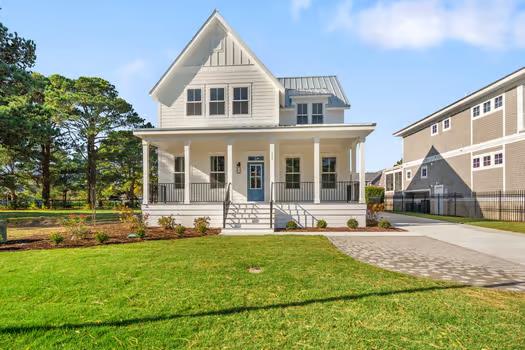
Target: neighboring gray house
point(475, 144)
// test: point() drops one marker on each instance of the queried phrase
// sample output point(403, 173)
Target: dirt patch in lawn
point(118, 234)
point(342, 229)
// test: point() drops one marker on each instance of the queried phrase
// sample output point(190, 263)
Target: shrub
point(167, 222)
point(101, 237)
point(56, 238)
point(374, 194)
point(141, 233)
point(76, 226)
point(126, 215)
point(352, 223)
point(373, 209)
point(140, 225)
point(384, 223)
point(321, 223)
point(291, 225)
point(179, 229)
point(201, 224)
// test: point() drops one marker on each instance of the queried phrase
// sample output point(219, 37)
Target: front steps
point(248, 217)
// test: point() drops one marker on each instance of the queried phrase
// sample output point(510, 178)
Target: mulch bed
point(118, 234)
point(343, 229)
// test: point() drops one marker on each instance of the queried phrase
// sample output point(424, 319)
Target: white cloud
point(490, 24)
point(298, 6)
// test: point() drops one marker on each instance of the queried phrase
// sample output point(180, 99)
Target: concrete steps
point(248, 216)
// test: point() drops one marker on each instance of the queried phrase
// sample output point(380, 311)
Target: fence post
point(499, 205)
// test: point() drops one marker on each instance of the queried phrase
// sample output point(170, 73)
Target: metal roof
point(314, 86)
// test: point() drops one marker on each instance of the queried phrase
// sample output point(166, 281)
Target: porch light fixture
point(238, 167)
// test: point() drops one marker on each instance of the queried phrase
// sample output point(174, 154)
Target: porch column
point(145, 172)
point(229, 166)
point(187, 173)
point(273, 155)
point(317, 171)
point(362, 171)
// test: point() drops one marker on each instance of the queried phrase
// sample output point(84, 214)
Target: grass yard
point(198, 293)
point(52, 213)
point(499, 225)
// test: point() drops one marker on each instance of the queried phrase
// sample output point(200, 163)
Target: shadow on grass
point(223, 312)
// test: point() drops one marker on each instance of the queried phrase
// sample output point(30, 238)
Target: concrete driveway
point(504, 245)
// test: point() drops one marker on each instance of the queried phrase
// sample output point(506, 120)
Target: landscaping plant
point(201, 224)
point(101, 237)
point(56, 238)
point(321, 223)
point(76, 226)
point(179, 229)
point(352, 223)
point(291, 225)
point(384, 223)
point(167, 222)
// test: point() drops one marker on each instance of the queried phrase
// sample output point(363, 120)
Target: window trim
point(386, 182)
point(186, 102)
point(408, 174)
point(449, 124)
point(175, 172)
point(286, 158)
point(209, 101)
point(317, 115)
point(232, 101)
point(297, 115)
point(432, 133)
point(421, 172)
point(481, 106)
point(492, 156)
point(215, 185)
point(328, 172)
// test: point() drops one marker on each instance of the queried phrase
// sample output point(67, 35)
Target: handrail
point(271, 205)
point(226, 205)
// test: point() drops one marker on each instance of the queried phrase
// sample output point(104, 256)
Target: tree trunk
point(91, 171)
point(46, 176)
point(131, 193)
point(64, 198)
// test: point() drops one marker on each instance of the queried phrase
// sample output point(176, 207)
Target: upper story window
point(434, 129)
point(475, 111)
point(498, 102)
point(217, 173)
point(240, 100)
point(446, 124)
point(424, 172)
point(317, 113)
point(389, 182)
point(328, 175)
point(194, 102)
point(486, 107)
point(178, 176)
point(498, 158)
point(475, 163)
point(293, 173)
point(409, 174)
point(398, 181)
point(486, 160)
point(217, 103)
point(302, 113)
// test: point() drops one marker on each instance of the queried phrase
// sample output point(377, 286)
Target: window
point(475, 111)
point(293, 173)
point(409, 174)
point(486, 107)
point(317, 113)
point(424, 172)
point(328, 175)
point(498, 158)
point(475, 163)
point(498, 102)
point(389, 182)
point(240, 100)
point(217, 101)
point(446, 124)
point(179, 173)
point(434, 129)
point(302, 113)
point(217, 175)
point(486, 160)
point(194, 102)
point(398, 181)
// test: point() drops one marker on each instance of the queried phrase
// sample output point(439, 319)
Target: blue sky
point(397, 60)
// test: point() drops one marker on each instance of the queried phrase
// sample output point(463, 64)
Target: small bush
point(101, 237)
point(141, 233)
point(291, 225)
point(126, 215)
point(374, 194)
point(384, 223)
point(56, 238)
point(167, 222)
point(179, 229)
point(352, 223)
point(76, 226)
point(201, 224)
point(321, 223)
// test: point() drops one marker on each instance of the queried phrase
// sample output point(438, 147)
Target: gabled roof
point(315, 86)
point(215, 17)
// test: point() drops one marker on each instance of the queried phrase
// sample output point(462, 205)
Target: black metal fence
point(496, 205)
point(165, 193)
point(205, 192)
point(340, 191)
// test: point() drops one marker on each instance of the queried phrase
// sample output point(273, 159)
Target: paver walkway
point(428, 257)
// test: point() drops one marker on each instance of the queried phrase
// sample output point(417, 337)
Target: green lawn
point(500, 225)
point(197, 293)
point(103, 214)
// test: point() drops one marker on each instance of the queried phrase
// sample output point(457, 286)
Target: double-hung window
point(241, 100)
point(424, 172)
point(446, 124)
point(389, 180)
point(498, 158)
point(217, 173)
point(328, 175)
point(434, 129)
point(293, 173)
point(178, 176)
point(193, 102)
point(486, 160)
point(475, 111)
point(302, 113)
point(217, 101)
point(317, 113)
point(476, 163)
point(486, 107)
point(498, 102)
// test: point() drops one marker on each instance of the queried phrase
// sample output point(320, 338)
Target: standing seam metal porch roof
point(315, 85)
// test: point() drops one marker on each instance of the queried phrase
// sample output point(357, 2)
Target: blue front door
point(255, 181)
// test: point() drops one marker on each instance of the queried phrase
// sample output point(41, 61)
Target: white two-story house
point(247, 149)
